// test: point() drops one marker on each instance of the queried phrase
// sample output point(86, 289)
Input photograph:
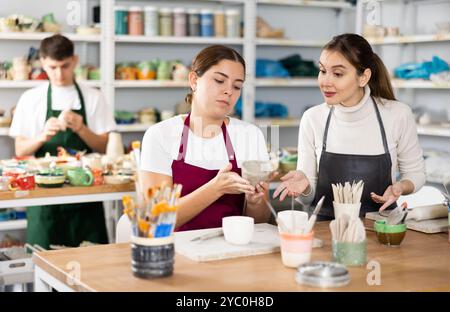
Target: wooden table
point(64, 195)
point(422, 263)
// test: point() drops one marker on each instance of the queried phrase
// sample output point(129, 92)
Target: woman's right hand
point(293, 184)
point(229, 182)
point(52, 126)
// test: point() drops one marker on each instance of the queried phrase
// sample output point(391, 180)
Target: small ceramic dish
point(49, 180)
point(116, 179)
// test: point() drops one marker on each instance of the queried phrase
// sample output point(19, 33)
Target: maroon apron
point(193, 177)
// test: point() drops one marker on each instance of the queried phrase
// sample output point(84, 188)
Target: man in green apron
point(68, 224)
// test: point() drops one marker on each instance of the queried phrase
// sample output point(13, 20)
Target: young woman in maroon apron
point(207, 196)
point(375, 170)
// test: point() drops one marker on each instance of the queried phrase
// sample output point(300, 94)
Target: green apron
point(68, 224)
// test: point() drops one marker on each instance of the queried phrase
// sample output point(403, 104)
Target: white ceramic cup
point(351, 210)
point(294, 220)
point(238, 230)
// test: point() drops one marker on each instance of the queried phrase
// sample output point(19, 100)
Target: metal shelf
point(25, 84)
point(306, 3)
point(286, 82)
point(178, 40)
point(284, 42)
point(433, 130)
point(41, 35)
point(132, 128)
point(13, 225)
point(150, 84)
point(409, 39)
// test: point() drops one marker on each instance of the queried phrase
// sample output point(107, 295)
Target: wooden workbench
point(422, 263)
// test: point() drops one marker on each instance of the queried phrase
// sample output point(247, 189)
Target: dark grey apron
point(374, 170)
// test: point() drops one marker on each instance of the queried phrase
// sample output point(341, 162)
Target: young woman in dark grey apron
point(341, 83)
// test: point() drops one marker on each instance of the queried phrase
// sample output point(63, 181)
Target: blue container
point(120, 20)
point(206, 23)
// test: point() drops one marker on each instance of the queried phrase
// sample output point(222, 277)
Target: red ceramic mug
point(23, 183)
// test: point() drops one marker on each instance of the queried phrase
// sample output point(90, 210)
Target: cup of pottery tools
point(238, 230)
point(295, 248)
point(349, 245)
point(347, 199)
point(152, 257)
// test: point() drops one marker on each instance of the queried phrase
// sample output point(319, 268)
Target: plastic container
point(193, 19)
point(179, 22)
point(151, 23)
point(206, 23)
point(219, 23)
point(120, 20)
point(152, 257)
point(165, 22)
point(350, 253)
point(135, 21)
point(233, 21)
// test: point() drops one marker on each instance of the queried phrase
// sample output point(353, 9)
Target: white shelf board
point(318, 4)
point(25, 84)
point(4, 131)
point(132, 128)
point(419, 84)
point(178, 40)
point(13, 225)
point(281, 122)
point(433, 130)
point(409, 39)
point(286, 82)
point(150, 84)
point(284, 42)
point(41, 35)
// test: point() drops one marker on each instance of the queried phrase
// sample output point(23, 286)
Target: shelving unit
point(13, 225)
point(412, 39)
point(26, 84)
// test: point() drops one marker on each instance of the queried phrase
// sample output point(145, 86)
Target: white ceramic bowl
point(238, 230)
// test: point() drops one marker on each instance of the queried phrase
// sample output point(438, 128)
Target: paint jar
point(151, 22)
point(136, 21)
point(120, 20)
point(219, 23)
point(233, 21)
point(179, 22)
point(206, 23)
point(193, 23)
point(165, 22)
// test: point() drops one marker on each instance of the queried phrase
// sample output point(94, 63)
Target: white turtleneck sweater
point(355, 130)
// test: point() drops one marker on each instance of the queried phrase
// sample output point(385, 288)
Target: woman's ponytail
point(380, 82)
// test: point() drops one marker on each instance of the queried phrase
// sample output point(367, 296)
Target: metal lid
point(322, 274)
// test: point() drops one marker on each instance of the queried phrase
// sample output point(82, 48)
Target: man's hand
point(51, 127)
point(74, 121)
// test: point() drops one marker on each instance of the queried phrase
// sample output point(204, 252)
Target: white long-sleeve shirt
point(355, 130)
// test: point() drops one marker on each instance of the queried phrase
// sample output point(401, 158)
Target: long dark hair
point(211, 56)
point(359, 53)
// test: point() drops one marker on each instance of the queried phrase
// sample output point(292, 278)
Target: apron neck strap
point(380, 123)
point(50, 107)
point(184, 139)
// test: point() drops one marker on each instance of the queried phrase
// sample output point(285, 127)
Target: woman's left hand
point(390, 196)
point(260, 191)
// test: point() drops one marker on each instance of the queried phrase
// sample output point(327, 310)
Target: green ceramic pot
point(390, 235)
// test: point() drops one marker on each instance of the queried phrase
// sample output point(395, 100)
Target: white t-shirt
point(162, 141)
point(355, 130)
point(31, 110)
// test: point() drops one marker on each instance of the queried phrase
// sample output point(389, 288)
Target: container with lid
point(233, 22)
point(193, 22)
point(219, 23)
point(165, 22)
point(179, 22)
point(135, 21)
point(206, 23)
point(120, 20)
point(322, 274)
point(151, 22)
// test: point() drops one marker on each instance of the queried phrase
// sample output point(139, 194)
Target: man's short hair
point(56, 47)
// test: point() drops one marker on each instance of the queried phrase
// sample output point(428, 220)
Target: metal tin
point(206, 23)
point(219, 23)
point(193, 23)
point(233, 21)
point(120, 20)
point(151, 22)
point(136, 21)
point(179, 22)
point(165, 22)
point(322, 274)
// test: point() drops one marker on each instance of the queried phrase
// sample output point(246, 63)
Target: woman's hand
point(229, 182)
point(293, 184)
point(258, 197)
point(390, 196)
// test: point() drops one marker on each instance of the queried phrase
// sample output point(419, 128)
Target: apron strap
point(324, 143)
point(184, 138)
point(380, 123)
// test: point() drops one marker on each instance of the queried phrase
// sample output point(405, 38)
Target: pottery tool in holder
point(312, 219)
point(347, 230)
point(347, 199)
point(283, 227)
point(136, 145)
